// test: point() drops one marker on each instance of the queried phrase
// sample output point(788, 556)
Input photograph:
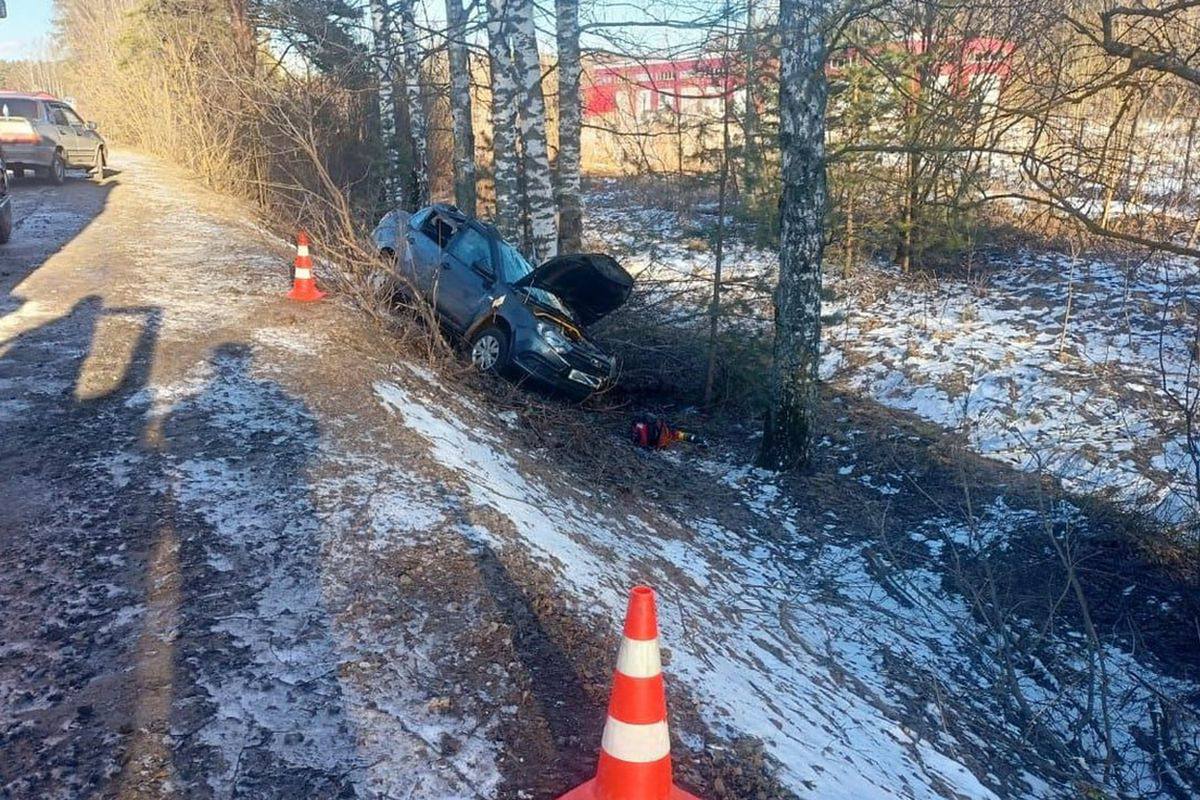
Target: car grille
point(591, 362)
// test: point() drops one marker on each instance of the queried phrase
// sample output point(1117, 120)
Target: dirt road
point(249, 552)
point(170, 623)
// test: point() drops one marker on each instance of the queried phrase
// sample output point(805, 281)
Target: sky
point(25, 32)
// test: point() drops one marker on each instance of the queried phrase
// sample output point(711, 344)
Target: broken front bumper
point(574, 372)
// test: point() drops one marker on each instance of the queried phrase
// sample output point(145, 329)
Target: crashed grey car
point(512, 316)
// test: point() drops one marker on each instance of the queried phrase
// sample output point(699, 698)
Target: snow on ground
point(996, 357)
point(747, 669)
point(795, 640)
point(292, 674)
point(1081, 398)
point(294, 662)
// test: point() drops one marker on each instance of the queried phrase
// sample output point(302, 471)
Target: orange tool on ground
point(654, 434)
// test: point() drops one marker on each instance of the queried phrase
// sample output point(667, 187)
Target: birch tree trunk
point(570, 206)
point(417, 125)
point(504, 121)
point(460, 107)
point(539, 186)
point(386, 75)
point(788, 430)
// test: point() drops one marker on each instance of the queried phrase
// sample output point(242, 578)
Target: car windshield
point(513, 267)
point(18, 107)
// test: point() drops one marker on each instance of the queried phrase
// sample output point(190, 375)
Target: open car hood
point(591, 285)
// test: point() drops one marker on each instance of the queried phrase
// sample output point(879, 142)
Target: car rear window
point(19, 107)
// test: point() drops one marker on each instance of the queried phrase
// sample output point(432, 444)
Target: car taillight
point(19, 138)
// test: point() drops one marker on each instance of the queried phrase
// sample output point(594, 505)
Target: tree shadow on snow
point(551, 678)
point(42, 228)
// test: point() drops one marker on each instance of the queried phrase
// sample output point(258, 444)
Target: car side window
point(417, 220)
point(57, 116)
point(471, 247)
point(436, 227)
point(72, 117)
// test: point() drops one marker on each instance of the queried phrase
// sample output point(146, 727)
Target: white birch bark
point(539, 185)
point(417, 124)
point(567, 165)
point(460, 107)
point(385, 72)
point(504, 121)
point(788, 431)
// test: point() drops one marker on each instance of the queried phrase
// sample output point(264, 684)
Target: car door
point(467, 276)
point(64, 134)
point(426, 239)
point(84, 152)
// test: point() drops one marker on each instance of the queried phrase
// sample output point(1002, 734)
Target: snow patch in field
point(988, 364)
point(28, 315)
point(753, 673)
point(295, 339)
point(819, 648)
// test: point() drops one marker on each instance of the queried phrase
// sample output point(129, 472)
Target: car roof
point(454, 212)
point(28, 95)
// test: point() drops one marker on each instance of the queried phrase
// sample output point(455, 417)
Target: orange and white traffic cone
point(635, 750)
point(304, 285)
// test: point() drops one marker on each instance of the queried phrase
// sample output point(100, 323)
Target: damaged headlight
point(554, 337)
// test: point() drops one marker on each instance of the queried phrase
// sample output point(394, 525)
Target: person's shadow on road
point(256, 704)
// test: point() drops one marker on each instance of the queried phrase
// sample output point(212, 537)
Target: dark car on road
point(6, 211)
point(512, 315)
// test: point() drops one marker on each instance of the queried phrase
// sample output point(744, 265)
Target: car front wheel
point(490, 350)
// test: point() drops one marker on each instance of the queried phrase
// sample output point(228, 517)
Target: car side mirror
point(91, 126)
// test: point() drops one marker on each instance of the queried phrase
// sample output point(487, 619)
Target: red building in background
point(979, 64)
point(640, 88)
point(697, 85)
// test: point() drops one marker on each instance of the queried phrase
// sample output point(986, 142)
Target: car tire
point(6, 223)
point(56, 173)
point(491, 350)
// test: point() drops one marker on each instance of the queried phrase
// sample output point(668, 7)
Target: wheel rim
point(486, 352)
